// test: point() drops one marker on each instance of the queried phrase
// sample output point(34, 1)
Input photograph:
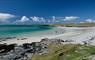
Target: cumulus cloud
point(36, 19)
point(5, 16)
point(82, 22)
point(53, 17)
point(90, 20)
point(69, 18)
point(9, 18)
point(24, 19)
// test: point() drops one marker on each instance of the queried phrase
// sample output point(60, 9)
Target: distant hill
point(75, 24)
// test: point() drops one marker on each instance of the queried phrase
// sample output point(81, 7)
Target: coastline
point(78, 36)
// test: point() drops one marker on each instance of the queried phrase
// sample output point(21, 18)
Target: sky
point(46, 11)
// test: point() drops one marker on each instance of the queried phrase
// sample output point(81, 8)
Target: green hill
point(75, 24)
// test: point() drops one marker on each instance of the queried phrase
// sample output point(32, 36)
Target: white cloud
point(69, 18)
point(24, 19)
point(53, 17)
point(82, 22)
point(90, 20)
point(49, 21)
point(36, 19)
point(5, 16)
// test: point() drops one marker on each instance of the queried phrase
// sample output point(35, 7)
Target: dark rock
point(6, 48)
point(61, 54)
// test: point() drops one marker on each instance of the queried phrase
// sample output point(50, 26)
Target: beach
point(77, 34)
point(76, 39)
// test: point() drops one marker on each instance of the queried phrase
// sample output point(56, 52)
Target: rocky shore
point(25, 51)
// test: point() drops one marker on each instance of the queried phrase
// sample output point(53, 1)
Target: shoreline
point(69, 34)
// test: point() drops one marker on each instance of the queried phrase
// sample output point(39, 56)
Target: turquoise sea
point(23, 30)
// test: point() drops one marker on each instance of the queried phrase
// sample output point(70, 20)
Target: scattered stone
point(26, 50)
point(68, 41)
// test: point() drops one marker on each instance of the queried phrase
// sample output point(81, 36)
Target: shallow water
point(25, 30)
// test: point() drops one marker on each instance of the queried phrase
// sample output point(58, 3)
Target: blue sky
point(26, 11)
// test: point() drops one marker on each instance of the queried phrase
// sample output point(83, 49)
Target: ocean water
point(23, 30)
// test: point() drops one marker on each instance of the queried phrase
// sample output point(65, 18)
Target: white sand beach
point(77, 34)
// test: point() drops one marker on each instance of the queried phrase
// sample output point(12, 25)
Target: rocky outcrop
point(25, 51)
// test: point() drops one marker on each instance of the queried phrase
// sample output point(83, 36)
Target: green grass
point(75, 24)
point(66, 52)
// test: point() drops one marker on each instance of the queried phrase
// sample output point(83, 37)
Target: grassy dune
point(66, 52)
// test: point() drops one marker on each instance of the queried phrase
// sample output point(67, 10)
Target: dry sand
point(78, 35)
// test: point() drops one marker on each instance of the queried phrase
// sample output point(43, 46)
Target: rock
point(22, 52)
